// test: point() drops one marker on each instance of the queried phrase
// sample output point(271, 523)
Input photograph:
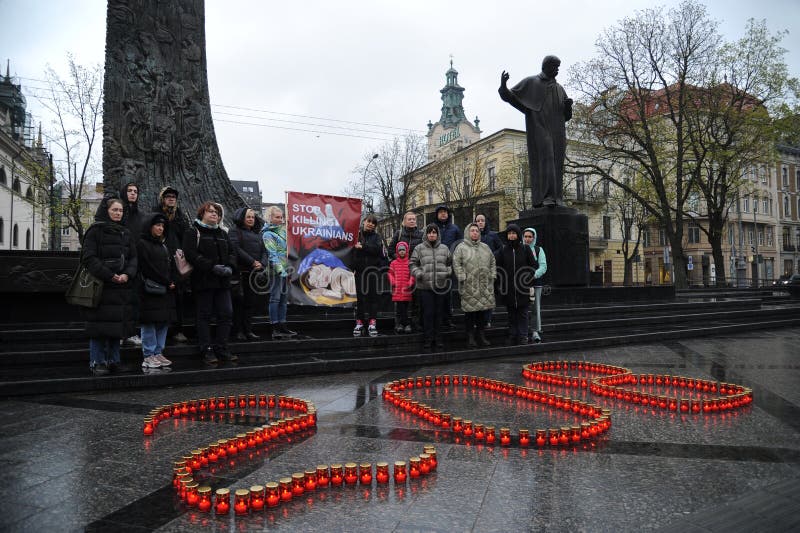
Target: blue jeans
point(154, 337)
point(103, 350)
point(278, 290)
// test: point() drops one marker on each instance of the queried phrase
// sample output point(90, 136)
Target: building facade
point(249, 192)
point(24, 175)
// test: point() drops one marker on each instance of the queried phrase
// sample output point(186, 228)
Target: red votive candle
point(505, 436)
point(222, 501)
point(466, 428)
point(431, 451)
point(424, 463)
point(337, 474)
point(480, 433)
point(382, 473)
point(323, 476)
point(273, 494)
point(256, 497)
point(262, 400)
point(241, 503)
point(191, 494)
point(285, 488)
point(298, 484)
point(400, 474)
point(310, 480)
point(552, 436)
point(458, 427)
point(524, 437)
point(350, 473)
point(541, 437)
point(204, 499)
point(490, 436)
point(413, 468)
point(365, 473)
point(149, 426)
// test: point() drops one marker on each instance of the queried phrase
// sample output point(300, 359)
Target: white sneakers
point(155, 361)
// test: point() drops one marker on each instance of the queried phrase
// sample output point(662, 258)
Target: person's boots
point(471, 340)
point(482, 340)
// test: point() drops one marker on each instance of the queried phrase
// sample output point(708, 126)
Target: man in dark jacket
point(133, 219)
point(516, 268)
point(450, 235)
point(176, 226)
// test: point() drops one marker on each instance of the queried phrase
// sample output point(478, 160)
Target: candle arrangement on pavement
point(691, 395)
point(271, 494)
point(596, 420)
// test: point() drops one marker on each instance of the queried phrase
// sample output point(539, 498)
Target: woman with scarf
point(515, 269)
point(251, 257)
point(209, 251)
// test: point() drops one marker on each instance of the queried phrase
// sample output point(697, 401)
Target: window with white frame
point(746, 204)
point(755, 204)
point(770, 236)
point(763, 173)
point(785, 177)
point(645, 237)
point(761, 236)
point(750, 237)
point(491, 176)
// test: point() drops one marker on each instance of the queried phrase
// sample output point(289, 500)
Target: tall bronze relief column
point(157, 126)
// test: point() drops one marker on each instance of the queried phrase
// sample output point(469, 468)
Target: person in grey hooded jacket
point(431, 268)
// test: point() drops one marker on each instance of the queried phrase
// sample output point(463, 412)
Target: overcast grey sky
point(364, 70)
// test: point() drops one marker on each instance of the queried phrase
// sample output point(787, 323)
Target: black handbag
point(154, 287)
point(85, 290)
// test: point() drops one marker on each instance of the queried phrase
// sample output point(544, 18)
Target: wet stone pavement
point(79, 462)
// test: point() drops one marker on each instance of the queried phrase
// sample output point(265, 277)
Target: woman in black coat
point(109, 254)
point(515, 271)
point(156, 290)
point(370, 260)
point(251, 256)
point(209, 251)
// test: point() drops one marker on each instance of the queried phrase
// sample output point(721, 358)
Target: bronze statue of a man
point(546, 109)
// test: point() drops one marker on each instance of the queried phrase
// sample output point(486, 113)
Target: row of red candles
point(600, 419)
point(728, 395)
point(242, 401)
point(259, 497)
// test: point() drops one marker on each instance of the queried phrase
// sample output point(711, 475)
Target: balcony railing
point(789, 248)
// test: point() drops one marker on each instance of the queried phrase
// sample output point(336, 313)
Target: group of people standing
point(427, 265)
point(148, 261)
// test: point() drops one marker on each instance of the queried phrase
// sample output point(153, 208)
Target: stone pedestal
point(563, 232)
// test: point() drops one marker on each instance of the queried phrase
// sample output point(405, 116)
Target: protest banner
point(320, 233)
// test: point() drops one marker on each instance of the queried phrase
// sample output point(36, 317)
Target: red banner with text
point(320, 233)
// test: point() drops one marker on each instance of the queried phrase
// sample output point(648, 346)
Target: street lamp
point(364, 181)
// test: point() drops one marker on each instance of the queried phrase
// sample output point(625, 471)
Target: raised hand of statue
point(504, 78)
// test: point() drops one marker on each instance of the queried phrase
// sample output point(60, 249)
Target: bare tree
point(734, 123)
point(76, 105)
point(460, 181)
point(382, 177)
point(632, 219)
point(635, 97)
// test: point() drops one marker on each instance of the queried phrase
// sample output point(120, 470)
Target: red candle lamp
point(458, 427)
point(673, 404)
point(241, 441)
point(365, 473)
point(552, 436)
point(271, 401)
point(337, 474)
point(298, 484)
point(413, 468)
point(480, 433)
point(231, 447)
point(184, 408)
point(541, 437)
point(149, 426)
point(446, 421)
point(428, 381)
point(575, 434)
point(262, 400)
point(191, 494)
point(323, 476)
point(185, 481)
point(400, 473)
point(684, 405)
point(177, 472)
point(242, 402)
point(467, 430)
point(524, 437)
point(437, 380)
point(257, 497)
point(424, 463)
point(241, 502)
point(490, 436)
point(197, 460)
point(285, 489)
point(204, 499)
point(310, 481)
point(505, 436)
point(222, 448)
point(446, 380)
point(222, 501)
point(350, 473)
point(431, 451)
point(381, 473)
point(273, 494)
point(251, 439)
point(563, 436)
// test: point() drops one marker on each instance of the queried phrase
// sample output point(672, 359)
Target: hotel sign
point(449, 136)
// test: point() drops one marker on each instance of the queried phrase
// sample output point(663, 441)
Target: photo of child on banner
point(320, 233)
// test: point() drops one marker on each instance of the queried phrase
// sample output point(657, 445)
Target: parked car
point(792, 285)
point(782, 280)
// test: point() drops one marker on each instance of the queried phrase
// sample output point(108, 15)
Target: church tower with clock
point(453, 131)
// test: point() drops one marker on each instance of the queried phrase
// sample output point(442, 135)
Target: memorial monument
point(562, 231)
point(157, 126)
